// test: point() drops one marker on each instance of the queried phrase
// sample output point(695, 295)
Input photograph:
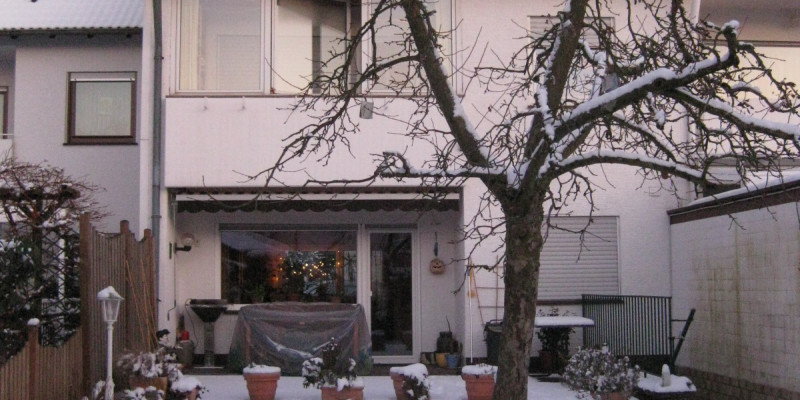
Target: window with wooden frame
point(101, 108)
point(4, 134)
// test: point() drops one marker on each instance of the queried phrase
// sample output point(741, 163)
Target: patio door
point(392, 304)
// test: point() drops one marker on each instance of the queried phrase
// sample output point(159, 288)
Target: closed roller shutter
point(571, 266)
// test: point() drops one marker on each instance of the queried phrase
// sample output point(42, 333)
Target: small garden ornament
point(336, 380)
point(601, 375)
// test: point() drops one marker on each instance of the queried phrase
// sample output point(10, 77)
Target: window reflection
point(266, 266)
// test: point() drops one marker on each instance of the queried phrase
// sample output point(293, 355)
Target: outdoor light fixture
point(366, 110)
point(187, 240)
point(109, 305)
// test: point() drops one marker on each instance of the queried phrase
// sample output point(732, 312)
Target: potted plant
point(601, 375)
point(145, 369)
point(262, 381)
point(186, 387)
point(410, 382)
point(479, 380)
point(336, 379)
point(555, 344)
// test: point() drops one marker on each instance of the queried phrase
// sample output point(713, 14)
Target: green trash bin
point(491, 334)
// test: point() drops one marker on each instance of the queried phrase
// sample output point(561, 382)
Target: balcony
point(217, 141)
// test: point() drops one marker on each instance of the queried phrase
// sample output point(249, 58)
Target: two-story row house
point(175, 130)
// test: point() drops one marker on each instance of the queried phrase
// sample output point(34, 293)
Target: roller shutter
point(571, 266)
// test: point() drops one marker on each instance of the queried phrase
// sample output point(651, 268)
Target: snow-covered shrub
point(415, 380)
point(594, 371)
point(329, 371)
point(150, 364)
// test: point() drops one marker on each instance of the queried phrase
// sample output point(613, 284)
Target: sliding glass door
point(391, 303)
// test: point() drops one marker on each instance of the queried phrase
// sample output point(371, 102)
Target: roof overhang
point(317, 199)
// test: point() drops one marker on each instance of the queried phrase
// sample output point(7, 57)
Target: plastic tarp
point(286, 334)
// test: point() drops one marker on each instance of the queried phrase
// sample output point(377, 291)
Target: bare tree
point(656, 91)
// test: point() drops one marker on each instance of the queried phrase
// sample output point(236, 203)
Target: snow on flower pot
point(262, 381)
point(479, 380)
point(410, 382)
point(186, 387)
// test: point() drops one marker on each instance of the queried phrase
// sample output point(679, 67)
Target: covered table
point(286, 334)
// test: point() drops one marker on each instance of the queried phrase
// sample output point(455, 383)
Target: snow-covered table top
point(558, 321)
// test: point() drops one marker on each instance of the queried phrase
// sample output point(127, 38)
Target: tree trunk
point(523, 248)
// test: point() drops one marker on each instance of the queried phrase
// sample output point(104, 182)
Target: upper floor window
point(4, 112)
point(310, 40)
point(220, 45)
point(391, 31)
point(280, 46)
point(102, 108)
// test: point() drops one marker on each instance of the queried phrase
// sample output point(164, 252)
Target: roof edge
point(758, 198)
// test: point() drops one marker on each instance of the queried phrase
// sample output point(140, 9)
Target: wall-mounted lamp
point(187, 240)
point(366, 110)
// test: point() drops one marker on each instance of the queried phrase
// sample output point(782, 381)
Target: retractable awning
point(338, 198)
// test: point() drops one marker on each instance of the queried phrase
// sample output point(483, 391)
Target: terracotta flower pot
point(189, 396)
point(609, 396)
point(159, 382)
point(397, 382)
point(262, 386)
point(348, 393)
point(479, 387)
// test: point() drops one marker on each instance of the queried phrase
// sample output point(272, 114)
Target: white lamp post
point(109, 303)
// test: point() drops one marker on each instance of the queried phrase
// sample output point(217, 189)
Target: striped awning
point(317, 199)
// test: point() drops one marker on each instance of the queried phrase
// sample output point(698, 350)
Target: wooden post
point(87, 311)
point(33, 345)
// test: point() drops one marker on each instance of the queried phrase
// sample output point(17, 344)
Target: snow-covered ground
point(450, 387)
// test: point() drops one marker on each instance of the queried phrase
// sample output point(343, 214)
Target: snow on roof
point(27, 15)
point(758, 183)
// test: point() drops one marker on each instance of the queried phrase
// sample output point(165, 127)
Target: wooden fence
point(44, 373)
point(117, 260)
point(70, 371)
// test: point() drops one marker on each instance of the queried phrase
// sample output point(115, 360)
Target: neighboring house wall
point(42, 67)
point(741, 272)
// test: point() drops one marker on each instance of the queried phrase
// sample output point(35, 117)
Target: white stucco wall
point(197, 273)
point(744, 282)
point(40, 103)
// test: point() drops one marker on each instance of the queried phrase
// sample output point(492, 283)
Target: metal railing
point(634, 326)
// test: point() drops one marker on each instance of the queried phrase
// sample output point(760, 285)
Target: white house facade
point(228, 80)
point(187, 124)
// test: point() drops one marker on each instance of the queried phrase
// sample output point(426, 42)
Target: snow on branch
point(632, 159)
